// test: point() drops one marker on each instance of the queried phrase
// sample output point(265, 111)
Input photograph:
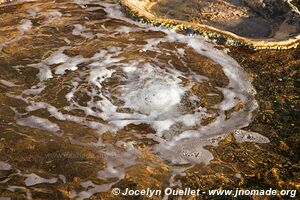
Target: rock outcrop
point(255, 23)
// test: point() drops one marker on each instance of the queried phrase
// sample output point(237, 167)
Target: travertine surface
point(256, 24)
point(248, 18)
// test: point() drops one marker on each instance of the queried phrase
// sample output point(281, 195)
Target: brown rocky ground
point(276, 165)
point(242, 165)
point(276, 79)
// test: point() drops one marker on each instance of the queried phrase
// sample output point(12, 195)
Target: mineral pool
point(82, 72)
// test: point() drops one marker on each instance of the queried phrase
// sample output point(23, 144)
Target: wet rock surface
point(61, 66)
point(273, 166)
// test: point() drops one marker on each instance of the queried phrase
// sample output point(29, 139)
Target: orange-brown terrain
point(91, 100)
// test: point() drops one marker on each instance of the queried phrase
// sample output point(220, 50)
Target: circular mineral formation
point(122, 76)
point(90, 97)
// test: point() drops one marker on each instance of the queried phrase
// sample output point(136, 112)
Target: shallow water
point(79, 76)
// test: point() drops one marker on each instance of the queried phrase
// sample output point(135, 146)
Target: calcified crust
point(143, 10)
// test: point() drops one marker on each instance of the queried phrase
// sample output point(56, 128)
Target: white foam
point(33, 11)
point(98, 75)
point(80, 30)
point(34, 90)
point(45, 72)
point(190, 150)
point(70, 95)
point(63, 178)
point(185, 151)
point(230, 99)
point(238, 175)
point(181, 52)
point(70, 65)
point(153, 97)
point(249, 136)
point(101, 128)
point(57, 57)
point(154, 93)
point(55, 14)
point(66, 62)
point(126, 29)
point(150, 90)
point(7, 83)
point(91, 189)
point(5, 166)
point(40, 123)
point(25, 26)
point(33, 179)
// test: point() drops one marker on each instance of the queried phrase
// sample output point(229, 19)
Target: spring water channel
point(133, 94)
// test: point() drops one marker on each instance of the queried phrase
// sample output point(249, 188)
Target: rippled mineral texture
point(91, 100)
